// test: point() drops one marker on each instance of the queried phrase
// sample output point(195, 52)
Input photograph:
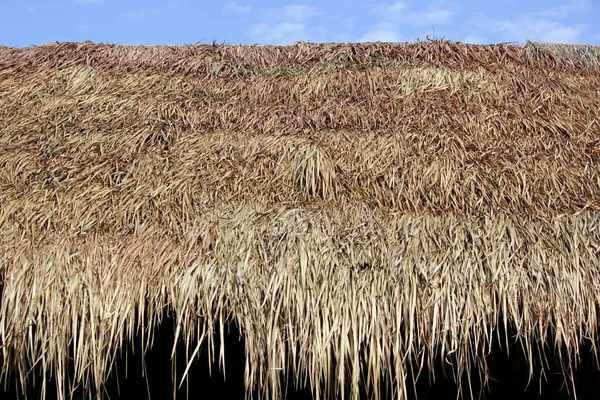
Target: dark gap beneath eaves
point(509, 373)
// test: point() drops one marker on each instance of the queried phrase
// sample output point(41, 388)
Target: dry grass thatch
point(358, 209)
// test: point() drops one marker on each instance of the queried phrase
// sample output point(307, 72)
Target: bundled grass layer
point(358, 209)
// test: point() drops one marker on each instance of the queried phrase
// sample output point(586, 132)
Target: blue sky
point(29, 22)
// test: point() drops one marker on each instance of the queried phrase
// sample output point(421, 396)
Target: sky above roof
point(25, 23)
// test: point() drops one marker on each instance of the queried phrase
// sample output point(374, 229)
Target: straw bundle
point(360, 210)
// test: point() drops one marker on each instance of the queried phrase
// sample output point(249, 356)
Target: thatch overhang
point(360, 210)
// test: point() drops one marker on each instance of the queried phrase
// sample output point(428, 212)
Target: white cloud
point(397, 7)
point(88, 1)
point(554, 24)
point(235, 7)
point(82, 27)
point(563, 34)
point(292, 24)
point(382, 32)
point(393, 9)
point(435, 17)
point(473, 39)
point(283, 33)
point(573, 7)
point(398, 12)
point(300, 12)
point(537, 30)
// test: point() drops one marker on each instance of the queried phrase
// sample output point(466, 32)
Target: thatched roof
point(360, 210)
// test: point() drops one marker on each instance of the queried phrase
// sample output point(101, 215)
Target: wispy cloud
point(282, 33)
point(553, 24)
point(382, 32)
point(237, 8)
point(431, 17)
point(473, 39)
point(392, 17)
point(395, 8)
point(285, 32)
point(573, 7)
point(88, 1)
point(292, 23)
point(398, 12)
point(301, 12)
point(537, 29)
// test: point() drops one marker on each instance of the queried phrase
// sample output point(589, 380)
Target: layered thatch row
point(359, 210)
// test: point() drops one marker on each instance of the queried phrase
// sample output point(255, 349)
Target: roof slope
point(355, 207)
